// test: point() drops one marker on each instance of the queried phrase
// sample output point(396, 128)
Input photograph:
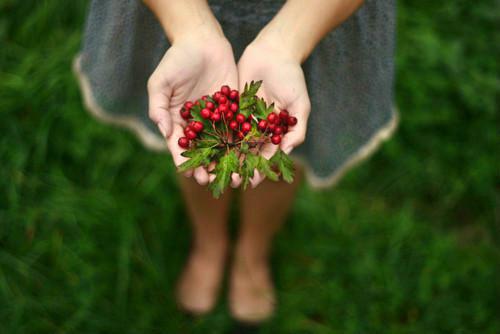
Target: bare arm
point(184, 17)
point(300, 25)
point(189, 69)
point(277, 52)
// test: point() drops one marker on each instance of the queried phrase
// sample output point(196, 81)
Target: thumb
point(297, 133)
point(159, 101)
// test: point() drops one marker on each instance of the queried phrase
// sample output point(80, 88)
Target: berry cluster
point(223, 107)
point(277, 125)
point(231, 129)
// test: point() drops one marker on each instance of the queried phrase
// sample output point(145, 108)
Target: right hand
point(195, 65)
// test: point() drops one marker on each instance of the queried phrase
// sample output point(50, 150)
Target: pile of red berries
point(277, 125)
point(230, 128)
point(223, 107)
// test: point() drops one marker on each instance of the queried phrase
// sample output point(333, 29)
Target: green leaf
point(244, 147)
point(251, 90)
point(248, 167)
point(198, 157)
point(246, 105)
point(282, 162)
point(264, 166)
point(269, 109)
point(248, 98)
point(195, 112)
point(227, 165)
point(206, 141)
point(260, 108)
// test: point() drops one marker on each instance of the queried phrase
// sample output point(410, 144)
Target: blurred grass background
point(93, 233)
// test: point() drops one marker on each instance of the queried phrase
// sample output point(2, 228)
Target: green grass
point(93, 233)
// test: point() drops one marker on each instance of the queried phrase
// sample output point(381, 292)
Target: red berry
point(272, 127)
point(240, 135)
point(233, 125)
point(240, 118)
point(284, 116)
point(188, 105)
point(223, 108)
point(197, 126)
point(276, 139)
point(225, 90)
point(278, 130)
point(229, 115)
point(186, 114)
point(205, 113)
point(216, 96)
point(234, 107)
point(292, 120)
point(187, 129)
point(204, 97)
point(285, 128)
point(272, 118)
point(191, 134)
point(222, 100)
point(262, 125)
point(210, 105)
point(197, 103)
point(246, 127)
point(234, 95)
point(215, 116)
point(183, 142)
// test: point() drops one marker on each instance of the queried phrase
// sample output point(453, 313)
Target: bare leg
point(263, 211)
point(199, 284)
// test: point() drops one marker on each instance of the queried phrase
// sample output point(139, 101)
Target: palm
point(283, 84)
point(188, 71)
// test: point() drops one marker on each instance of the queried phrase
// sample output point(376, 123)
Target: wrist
point(199, 35)
point(185, 18)
point(202, 30)
point(286, 43)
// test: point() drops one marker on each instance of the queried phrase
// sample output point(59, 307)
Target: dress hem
point(156, 143)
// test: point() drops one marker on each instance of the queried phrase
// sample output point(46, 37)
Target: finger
point(159, 101)
point(201, 176)
point(211, 178)
point(175, 149)
point(235, 180)
point(256, 179)
point(297, 134)
point(268, 150)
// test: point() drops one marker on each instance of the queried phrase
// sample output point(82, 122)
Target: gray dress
point(349, 76)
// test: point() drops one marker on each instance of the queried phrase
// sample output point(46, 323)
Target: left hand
point(284, 84)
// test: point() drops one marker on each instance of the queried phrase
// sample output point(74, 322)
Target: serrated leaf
point(246, 105)
point(248, 98)
point(206, 141)
point(248, 167)
point(227, 165)
point(244, 147)
point(252, 88)
point(195, 113)
point(264, 166)
point(282, 162)
point(269, 109)
point(198, 157)
point(260, 108)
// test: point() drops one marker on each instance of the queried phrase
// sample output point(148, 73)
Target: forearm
point(300, 25)
point(184, 17)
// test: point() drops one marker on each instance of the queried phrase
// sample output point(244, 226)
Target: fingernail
point(288, 149)
point(162, 130)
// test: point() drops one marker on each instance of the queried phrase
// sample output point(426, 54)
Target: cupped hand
point(195, 65)
point(284, 84)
